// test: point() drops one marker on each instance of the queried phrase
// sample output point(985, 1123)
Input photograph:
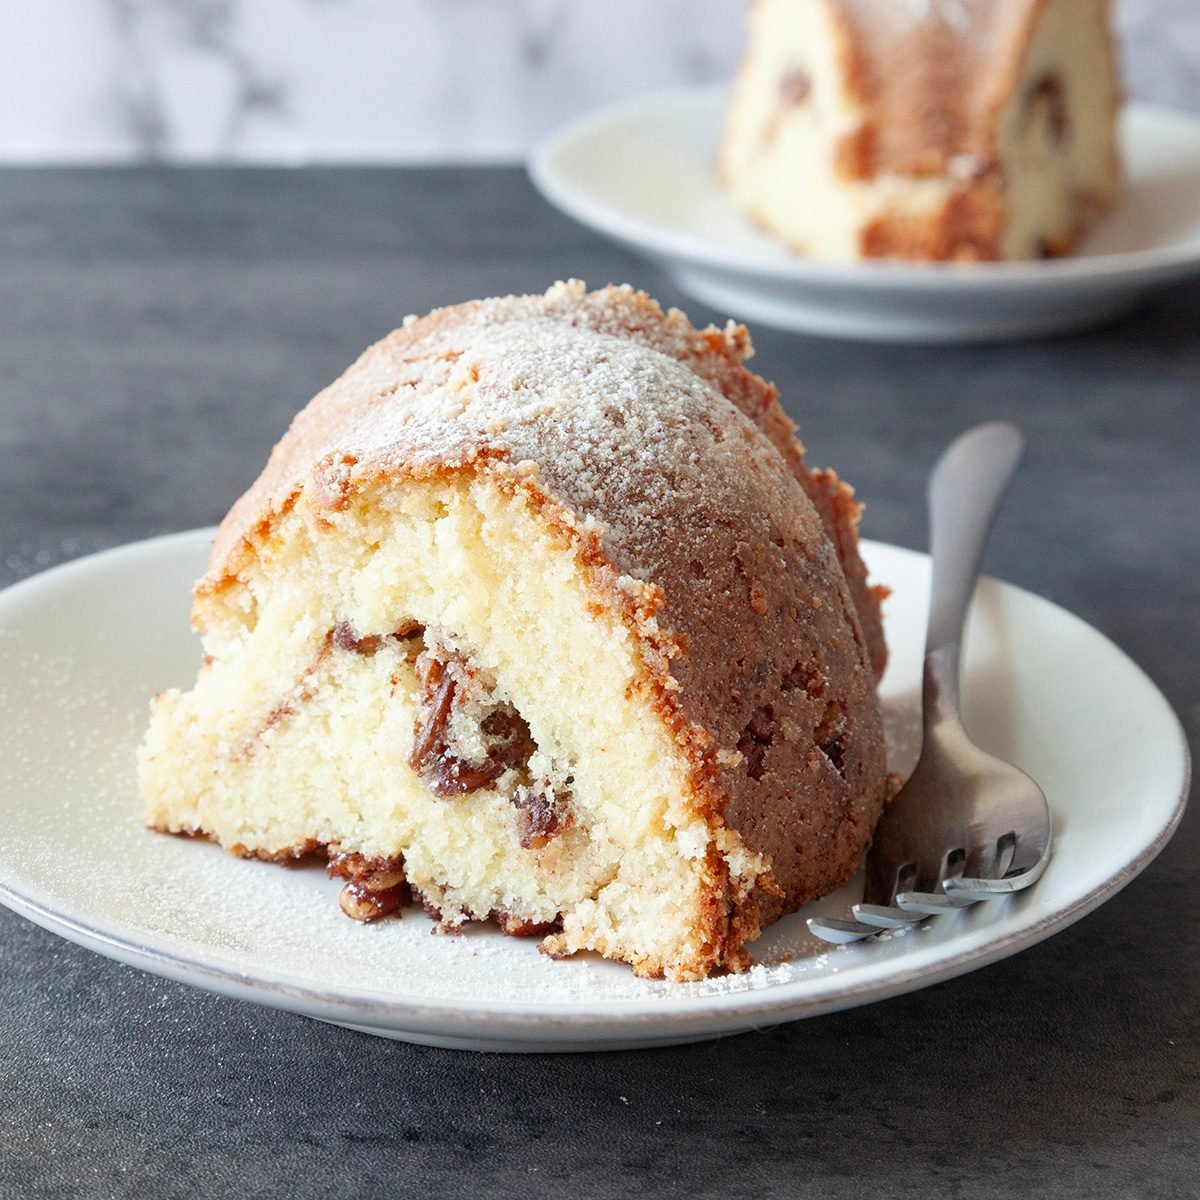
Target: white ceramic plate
point(642, 173)
point(83, 647)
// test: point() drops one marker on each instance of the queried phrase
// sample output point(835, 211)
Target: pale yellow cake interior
point(327, 759)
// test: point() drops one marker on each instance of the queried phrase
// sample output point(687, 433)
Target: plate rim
point(638, 1018)
point(663, 242)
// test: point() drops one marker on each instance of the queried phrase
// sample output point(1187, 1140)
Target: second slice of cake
point(925, 129)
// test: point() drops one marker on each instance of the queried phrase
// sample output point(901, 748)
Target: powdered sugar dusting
point(622, 432)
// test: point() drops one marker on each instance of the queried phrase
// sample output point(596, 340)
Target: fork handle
point(965, 490)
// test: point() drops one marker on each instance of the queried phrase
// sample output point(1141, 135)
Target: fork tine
point(931, 904)
point(839, 932)
point(884, 916)
point(985, 889)
point(1016, 880)
point(1027, 853)
point(986, 860)
point(993, 889)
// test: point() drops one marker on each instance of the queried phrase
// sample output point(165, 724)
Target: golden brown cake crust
point(751, 638)
point(935, 74)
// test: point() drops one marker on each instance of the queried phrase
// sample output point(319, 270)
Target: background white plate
point(82, 648)
point(643, 173)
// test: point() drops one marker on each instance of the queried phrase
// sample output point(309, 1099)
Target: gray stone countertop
point(157, 331)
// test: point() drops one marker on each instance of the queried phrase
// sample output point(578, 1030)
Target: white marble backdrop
point(392, 80)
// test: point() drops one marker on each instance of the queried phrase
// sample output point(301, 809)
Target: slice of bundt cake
point(925, 129)
point(530, 617)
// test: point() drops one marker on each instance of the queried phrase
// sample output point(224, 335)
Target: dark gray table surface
point(157, 331)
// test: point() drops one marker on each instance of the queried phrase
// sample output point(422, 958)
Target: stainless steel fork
point(966, 826)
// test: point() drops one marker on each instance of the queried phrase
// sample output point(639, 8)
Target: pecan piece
point(448, 685)
point(514, 925)
point(540, 816)
point(1048, 95)
point(345, 638)
point(374, 887)
point(362, 903)
point(437, 695)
